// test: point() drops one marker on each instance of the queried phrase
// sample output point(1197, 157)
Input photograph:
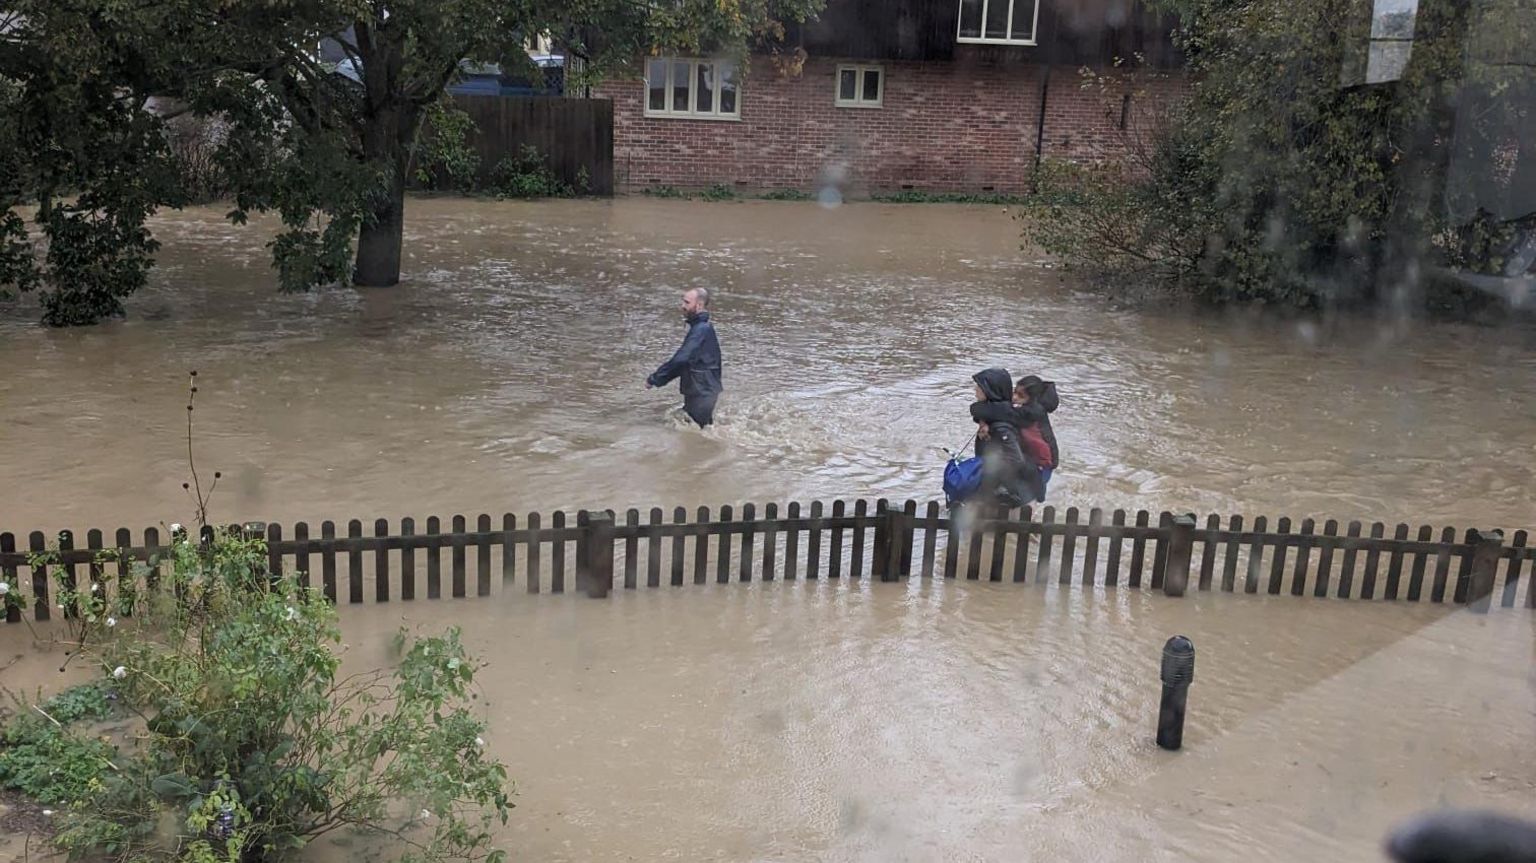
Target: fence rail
point(855, 539)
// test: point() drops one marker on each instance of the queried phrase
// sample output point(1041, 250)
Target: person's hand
point(648, 385)
point(982, 432)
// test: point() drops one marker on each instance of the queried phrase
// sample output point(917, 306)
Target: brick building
point(886, 95)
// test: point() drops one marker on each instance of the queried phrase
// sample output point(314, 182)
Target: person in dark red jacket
point(1034, 400)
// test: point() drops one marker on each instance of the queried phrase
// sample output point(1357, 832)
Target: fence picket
point(835, 558)
point(1277, 565)
point(908, 536)
point(1255, 555)
point(535, 565)
point(1372, 561)
point(1464, 572)
point(1229, 563)
point(1512, 570)
point(37, 544)
point(1160, 554)
point(509, 552)
point(1021, 544)
point(557, 553)
point(653, 550)
point(1325, 559)
point(856, 560)
point(723, 548)
point(631, 548)
point(744, 562)
point(123, 542)
point(1116, 544)
point(1091, 550)
point(1138, 550)
point(408, 560)
point(1047, 541)
point(354, 562)
point(813, 543)
point(1208, 551)
point(1303, 557)
point(1420, 561)
point(792, 543)
point(301, 556)
point(8, 575)
point(770, 541)
point(328, 560)
point(1347, 565)
point(381, 560)
point(930, 538)
point(680, 516)
point(483, 544)
point(977, 534)
point(1068, 546)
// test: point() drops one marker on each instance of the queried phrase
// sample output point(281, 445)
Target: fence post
point(889, 533)
point(1181, 540)
point(1488, 546)
point(594, 555)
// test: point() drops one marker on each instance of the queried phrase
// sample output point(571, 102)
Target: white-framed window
point(860, 86)
point(998, 22)
point(700, 89)
point(1392, 26)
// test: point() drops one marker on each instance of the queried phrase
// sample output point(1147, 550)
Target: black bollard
point(1178, 673)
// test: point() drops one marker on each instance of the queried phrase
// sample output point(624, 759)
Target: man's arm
point(670, 369)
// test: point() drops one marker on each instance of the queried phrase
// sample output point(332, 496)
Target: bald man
point(696, 364)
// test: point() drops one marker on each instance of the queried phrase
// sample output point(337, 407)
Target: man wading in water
point(696, 364)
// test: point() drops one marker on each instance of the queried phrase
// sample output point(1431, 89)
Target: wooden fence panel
point(987, 534)
point(573, 135)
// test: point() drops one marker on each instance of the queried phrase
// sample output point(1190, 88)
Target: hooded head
point(995, 384)
point(1041, 392)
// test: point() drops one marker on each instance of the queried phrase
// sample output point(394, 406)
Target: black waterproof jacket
point(696, 364)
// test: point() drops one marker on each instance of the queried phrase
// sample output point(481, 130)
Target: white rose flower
point(480, 741)
point(4, 588)
point(119, 673)
point(291, 613)
point(111, 622)
point(95, 588)
point(425, 815)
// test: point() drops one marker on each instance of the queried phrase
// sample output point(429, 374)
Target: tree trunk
point(382, 237)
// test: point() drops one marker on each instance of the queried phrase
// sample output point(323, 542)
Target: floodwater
point(506, 375)
point(929, 721)
point(967, 721)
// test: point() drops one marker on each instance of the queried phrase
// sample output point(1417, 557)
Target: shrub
point(254, 746)
point(528, 175)
point(44, 757)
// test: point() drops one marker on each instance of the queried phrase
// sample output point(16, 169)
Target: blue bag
point(962, 479)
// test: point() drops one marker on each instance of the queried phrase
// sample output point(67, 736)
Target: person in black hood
point(697, 363)
point(1008, 474)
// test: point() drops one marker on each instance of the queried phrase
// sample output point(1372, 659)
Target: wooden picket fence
point(1172, 555)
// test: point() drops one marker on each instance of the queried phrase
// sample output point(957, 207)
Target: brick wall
point(963, 126)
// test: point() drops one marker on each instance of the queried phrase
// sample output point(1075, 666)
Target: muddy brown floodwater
point(506, 375)
point(930, 721)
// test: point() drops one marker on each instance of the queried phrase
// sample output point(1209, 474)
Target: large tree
point(327, 151)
